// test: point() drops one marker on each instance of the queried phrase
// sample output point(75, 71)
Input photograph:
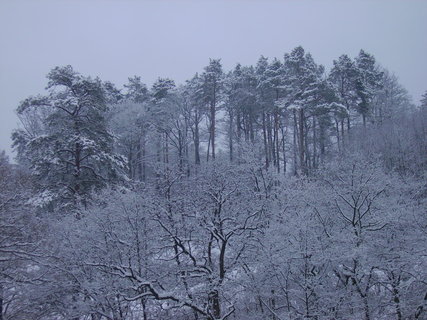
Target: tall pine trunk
point(239, 134)
point(283, 132)
point(301, 141)
point(276, 138)
point(264, 134)
point(139, 159)
point(196, 139)
point(295, 138)
point(230, 135)
point(270, 139)
point(143, 158)
point(314, 143)
point(213, 124)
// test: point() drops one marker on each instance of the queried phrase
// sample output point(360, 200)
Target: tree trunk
point(213, 111)
point(166, 150)
point(215, 304)
point(283, 132)
point(273, 305)
point(130, 162)
point(396, 301)
point(337, 130)
point(322, 139)
point(230, 135)
point(77, 164)
point(196, 141)
point(366, 307)
point(270, 140)
point(264, 134)
point(239, 134)
point(209, 146)
point(348, 120)
point(143, 157)
point(180, 151)
point(342, 134)
point(144, 309)
point(306, 148)
point(1, 301)
point(158, 155)
point(301, 142)
point(139, 159)
point(314, 143)
point(276, 137)
point(295, 143)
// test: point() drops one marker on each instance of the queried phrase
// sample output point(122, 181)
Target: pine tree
point(136, 90)
point(193, 98)
point(303, 78)
point(71, 155)
point(212, 78)
point(343, 76)
point(368, 81)
point(161, 115)
point(241, 106)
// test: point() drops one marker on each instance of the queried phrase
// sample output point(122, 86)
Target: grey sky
point(118, 39)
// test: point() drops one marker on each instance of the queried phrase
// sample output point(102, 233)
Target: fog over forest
point(278, 190)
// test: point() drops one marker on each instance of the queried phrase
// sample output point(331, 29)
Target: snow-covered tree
point(343, 75)
point(391, 101)
point(71, 155)
point(303, 79)
point(368, 81)
point(212, 83)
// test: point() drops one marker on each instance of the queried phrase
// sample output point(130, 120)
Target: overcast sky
point(118, 39)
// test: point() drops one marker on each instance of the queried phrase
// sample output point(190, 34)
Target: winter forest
point(279, 190)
